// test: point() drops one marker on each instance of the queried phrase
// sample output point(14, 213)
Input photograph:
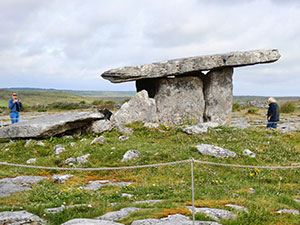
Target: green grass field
point(214, 186)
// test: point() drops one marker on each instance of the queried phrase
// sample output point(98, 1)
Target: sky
point(68, 44)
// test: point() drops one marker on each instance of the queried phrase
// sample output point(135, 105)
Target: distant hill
point(245, 98)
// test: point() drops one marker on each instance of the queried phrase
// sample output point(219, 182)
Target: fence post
point(193, 191)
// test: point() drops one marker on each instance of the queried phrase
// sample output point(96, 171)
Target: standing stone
point(179, 100)
point(218, 95)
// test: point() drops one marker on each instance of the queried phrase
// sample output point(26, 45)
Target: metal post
point(193, 192)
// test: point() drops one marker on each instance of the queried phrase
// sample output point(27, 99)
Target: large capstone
point(218, 95)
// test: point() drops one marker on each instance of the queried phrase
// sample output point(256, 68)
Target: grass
point(214, 186)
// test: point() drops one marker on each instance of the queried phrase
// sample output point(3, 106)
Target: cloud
point(68, 44)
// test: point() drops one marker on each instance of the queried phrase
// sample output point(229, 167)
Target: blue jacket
point(273, 112)
point(14, 107)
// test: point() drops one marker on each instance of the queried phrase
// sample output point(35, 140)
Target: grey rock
point(251, 190)
point(59, 149)
point(130, 154)
point(90, 222)
point(151, 125)
point(152, 202)
point(83, 158)
point(216, 214)
point(20, 183)
point(68, 137)
point(238, 207)
point(218, 95)
point(27, 143)
point(62, 208)
point(139, 108)
point(70, 160)
point(61, 178)
point(49, 125)
point(199, 128)
point(97, 184)
point(176, 219)
point(32, 160)
point(249, 153)
point(126, 195)
point(297, 200)
point(100, 126)
point(289, 211)
point(206, 149)
point(179, 100)
point(123, 138)
point(177, 67)
point(40, 143)
point(73, 144)
point(83, 140)
point(98, 140)
point(125, 130)
point(118, 215)
point(20, 217)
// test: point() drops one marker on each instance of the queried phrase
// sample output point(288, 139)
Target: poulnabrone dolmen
point(181, 90)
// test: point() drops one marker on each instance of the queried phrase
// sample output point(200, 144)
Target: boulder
point(139, 108)
point(176, 219)
point(181, 67)
point(218, 95)
point(118, 215)
point(20, 217)
point(100, 126)
point(90, 222)
point(207, 149)
point(49, 125)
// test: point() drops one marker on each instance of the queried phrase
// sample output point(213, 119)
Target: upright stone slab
point(218, 95)
point(179, 100)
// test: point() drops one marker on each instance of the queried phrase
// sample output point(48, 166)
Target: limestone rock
point(130, 154)
point(97, 184)
point(176, 219)
point(100, 126)
point(62, 208)
point(125, 130)
point(249, 153)
point(49, 125)
point(199, 128)
point(90, 222)
point(216, 214)
point(97, 140)
point(59, 149)
point(31, 160)
point(40, 143)
point(218, 95)
point(20, 183)
point(151, 125)
point(179, 100)
point(20, 217)
point(289, 211)
point(83, 158)
point(61, 178)
point(184, 66)
point(237, 207)
point(139, 108)
point(206, 149)
point(151, 202)
point(118, 215)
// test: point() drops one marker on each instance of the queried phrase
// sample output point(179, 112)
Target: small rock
point(251, 190)
point(61, 178)
point(83, 158)
point(83, 139)
point(97, 184)
point(59, 149)
point(216, 214)
point(97, 140)
point(72, 144)
point(199, 128)
point(123, 138)
point(130, 154)
point(206, 149)
point(125, 130)
point(249, 153)
point(70, 160)
point(118, 215)
point(40, 143)
point(151, 125)
point(68, 137)
point(152, 202)
point(126, 195)
point(90, 222)
point(32, 160)
point(27, 143)
point(289, 211)
point(237, 207)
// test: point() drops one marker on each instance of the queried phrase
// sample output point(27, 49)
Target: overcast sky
point(67, 44)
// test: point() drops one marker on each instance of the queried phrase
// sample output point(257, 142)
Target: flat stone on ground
point(20, 217)
point(90, 222)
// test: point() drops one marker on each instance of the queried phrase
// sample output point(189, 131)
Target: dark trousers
point(272, 125)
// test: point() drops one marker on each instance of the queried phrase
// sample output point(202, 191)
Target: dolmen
point(195, 89)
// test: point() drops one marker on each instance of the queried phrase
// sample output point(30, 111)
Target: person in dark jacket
point(15, 106)
point(273, 113)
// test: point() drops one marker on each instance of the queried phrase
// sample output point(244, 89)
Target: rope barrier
point(151, 165)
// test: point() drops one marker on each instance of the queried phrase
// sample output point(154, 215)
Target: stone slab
point(183, 66)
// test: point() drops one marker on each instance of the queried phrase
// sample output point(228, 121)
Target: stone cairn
point(183, 92)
